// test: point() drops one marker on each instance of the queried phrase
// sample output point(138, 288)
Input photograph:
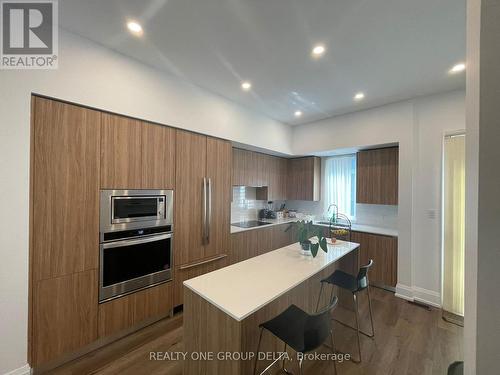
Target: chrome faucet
point(333, 218)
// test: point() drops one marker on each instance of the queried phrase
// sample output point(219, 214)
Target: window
point(340, 184)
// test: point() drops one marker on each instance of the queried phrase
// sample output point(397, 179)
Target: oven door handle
point(123, 243)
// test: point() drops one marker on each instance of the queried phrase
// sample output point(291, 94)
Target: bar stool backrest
point(363, 275)
point(318, 326)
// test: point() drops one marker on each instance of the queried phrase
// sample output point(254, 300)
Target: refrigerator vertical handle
point(205, 210)
point(209, 209)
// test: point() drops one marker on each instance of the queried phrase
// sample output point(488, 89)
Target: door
point(454, 228)
point(191, 161)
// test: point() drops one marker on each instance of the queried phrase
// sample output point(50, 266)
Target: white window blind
point(340, 184)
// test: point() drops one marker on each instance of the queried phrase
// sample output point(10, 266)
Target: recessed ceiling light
point(359, 96)
point(457, 68)
point(298, 113)
point(134, 27)
point(318, 50)
point(246, 85)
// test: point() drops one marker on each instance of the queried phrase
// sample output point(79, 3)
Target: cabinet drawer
point(128, 311)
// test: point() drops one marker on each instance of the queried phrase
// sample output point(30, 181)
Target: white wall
point(97, 77)
point(418, 126)
point(92, 75)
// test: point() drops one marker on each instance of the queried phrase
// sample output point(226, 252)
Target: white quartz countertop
point(355, 227)
point(243, 288)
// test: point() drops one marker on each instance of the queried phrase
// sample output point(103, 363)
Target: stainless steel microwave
point(133, 209)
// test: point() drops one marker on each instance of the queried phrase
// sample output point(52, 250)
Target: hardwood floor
point(408, 340)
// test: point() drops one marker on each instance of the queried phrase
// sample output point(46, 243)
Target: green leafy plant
point(305, 231)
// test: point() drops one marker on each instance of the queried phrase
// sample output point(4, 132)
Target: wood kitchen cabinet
point(136, 154)
point(64, 188)
point(384, 252)
point(147, 305)
point(257, 169)
point(377, 176)
point(203, 182)
point(64, 229)
point(304, 178)
point(277, 168)
point(251, 243)
point(64, 315)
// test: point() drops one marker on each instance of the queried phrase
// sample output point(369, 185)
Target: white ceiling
point(389, 49)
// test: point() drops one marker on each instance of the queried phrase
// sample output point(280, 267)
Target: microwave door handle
point(122, 243)
point(209, 213)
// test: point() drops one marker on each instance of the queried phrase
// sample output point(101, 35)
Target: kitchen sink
point(323, 222)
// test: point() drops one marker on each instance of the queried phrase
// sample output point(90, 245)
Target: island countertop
point(243, 288)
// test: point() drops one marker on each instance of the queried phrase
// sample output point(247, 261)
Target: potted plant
point(305, 231)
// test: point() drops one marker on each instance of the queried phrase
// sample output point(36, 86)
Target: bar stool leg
point(370, 308)
point(284, 360)
point(300, 366)
point(355, 299)
point(333, 351)
point(257, 351)
point(319, 297)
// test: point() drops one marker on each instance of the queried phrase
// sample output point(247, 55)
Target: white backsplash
point(377, 215)
point(368, 214)
point(245, 206)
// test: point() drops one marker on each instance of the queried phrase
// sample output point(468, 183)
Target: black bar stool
point(300, 331)
point(354, 284)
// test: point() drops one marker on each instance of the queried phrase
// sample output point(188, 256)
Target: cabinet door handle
point(209, 209)
point(187, 266)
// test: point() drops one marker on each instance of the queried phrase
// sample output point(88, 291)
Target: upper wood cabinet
point(377, 176)
point(64, 189)
point(257, 169)
point(304, 179)
point(136, 154)
point(158, 157)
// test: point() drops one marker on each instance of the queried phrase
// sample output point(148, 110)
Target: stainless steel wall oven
point(136, 240)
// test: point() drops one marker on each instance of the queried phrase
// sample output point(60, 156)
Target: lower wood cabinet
point(126, 312)
point(64, 316)
point(198, 268)
point(384, 252)
point(251, 243)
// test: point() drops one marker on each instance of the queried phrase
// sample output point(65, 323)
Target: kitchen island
point(223, 309)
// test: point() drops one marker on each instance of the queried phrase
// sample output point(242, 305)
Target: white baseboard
point(428, 297)
point(404, 292)
point(25, 370)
